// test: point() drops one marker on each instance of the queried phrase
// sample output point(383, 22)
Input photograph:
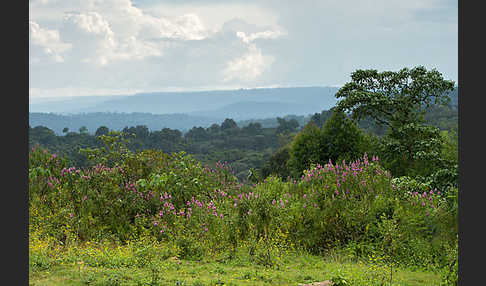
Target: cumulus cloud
point(248, 67)
point(95, 41)
point(253, 63)
point(115, 44)
point(48, 41)
point(91, 35)
point(101, 32)
point(259, 35)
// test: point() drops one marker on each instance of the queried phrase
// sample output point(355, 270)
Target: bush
point(338, 139)
point(203, 212)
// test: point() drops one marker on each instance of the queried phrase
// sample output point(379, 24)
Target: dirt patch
point(323, 283)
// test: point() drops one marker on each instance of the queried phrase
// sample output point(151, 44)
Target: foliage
point(339, 280)
point(399, 100)
point(338, 139)
point(412, 150)
point(120, 200)
point(278, 163)
point(450, 271)
point(205, 212)
point(285, 126)
point(393, 97)
point(305, 149)
point(245, 148)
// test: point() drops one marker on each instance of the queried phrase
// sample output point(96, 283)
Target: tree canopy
point(400, 100)
point(393, 97)
point(339, 138)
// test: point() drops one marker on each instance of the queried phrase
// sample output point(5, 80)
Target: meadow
point(150, 218)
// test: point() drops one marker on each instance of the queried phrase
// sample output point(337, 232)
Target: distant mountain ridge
point(68, 105)
point(179, 110)
point(207, 108)
point(259, 110)
point(187, 102)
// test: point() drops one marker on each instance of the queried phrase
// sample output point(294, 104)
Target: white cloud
point(115, 44)
point(192, 27)
point(91, 36)
point(114, 30)
point(132, 21)
point(48, 41)
point(96, 42)
point(253, 63)
point(215, 14)
point(248, 67)
point(259, 35)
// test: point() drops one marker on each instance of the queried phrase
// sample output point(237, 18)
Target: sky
point(112, 47)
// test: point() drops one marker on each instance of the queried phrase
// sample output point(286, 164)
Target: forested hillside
point(244, 148)
point(118, 121)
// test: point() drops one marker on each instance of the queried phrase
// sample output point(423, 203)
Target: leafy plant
point(339, 279)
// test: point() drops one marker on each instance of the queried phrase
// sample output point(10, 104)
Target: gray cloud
point(328, 40)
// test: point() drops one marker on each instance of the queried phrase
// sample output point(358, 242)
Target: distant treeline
point(118, 121)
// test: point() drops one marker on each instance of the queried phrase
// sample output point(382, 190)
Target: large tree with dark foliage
point(102, 130)
point(338, 139)
point(393, 98)
point(399, 100)
point(286, 126)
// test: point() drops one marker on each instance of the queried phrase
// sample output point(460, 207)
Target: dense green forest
point(117, 121)
point(245, 148)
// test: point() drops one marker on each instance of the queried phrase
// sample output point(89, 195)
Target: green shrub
point(154, 197)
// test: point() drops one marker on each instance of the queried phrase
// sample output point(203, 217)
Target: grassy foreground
point(119, 266)
point(207, 273)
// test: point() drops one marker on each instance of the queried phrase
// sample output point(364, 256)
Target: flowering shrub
point(174, 199)
point(147, 189)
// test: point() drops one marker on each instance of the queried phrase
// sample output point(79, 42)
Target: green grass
point(298, 269)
